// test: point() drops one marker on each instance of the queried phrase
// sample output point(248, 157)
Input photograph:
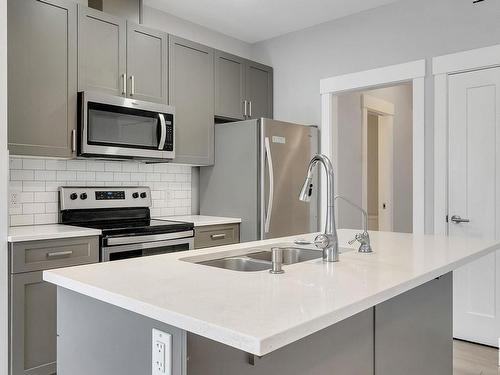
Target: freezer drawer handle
point(219, 236)
point(269, 211)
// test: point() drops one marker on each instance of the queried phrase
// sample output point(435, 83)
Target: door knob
point(457, 219)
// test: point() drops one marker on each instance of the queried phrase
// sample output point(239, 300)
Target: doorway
point(378, 164)
point(374, 157)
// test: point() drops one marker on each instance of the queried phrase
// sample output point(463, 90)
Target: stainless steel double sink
point(255, 259)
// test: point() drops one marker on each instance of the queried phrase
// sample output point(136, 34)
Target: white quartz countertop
point(202, 220)
point(48, 232)
point(258, 312)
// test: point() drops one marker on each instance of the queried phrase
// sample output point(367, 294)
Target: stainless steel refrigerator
point(260, 166)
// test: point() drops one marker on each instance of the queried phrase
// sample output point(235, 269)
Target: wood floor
point(472, 359)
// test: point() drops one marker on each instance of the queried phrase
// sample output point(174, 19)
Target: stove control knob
point(73, 196)
point(143, 194)
point(135, 195)
point(83, 196)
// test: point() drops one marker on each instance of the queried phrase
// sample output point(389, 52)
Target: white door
point(474, 195)
point(385, 172)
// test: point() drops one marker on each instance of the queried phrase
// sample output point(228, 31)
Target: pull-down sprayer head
point(307, 189)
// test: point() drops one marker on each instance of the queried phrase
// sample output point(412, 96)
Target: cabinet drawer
point(42, 255)
point(216, 235)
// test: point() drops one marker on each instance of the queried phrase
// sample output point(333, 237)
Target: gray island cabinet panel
point(191, 92)
point(230, 86)
point(147, 53)
point(102, 45)
point(259, 90)
point(42, 53)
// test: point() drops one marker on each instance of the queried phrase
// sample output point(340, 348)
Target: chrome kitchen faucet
point(328, 241)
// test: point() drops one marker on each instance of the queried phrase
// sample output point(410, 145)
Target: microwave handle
point(163, 134)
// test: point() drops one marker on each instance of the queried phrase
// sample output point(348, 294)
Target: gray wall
point(4, 170)
point(350, 156)
point(400, 32)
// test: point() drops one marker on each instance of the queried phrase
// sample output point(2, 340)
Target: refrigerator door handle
point(269, 211)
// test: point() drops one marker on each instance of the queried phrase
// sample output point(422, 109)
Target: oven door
point(110, 253)
point(124, 128)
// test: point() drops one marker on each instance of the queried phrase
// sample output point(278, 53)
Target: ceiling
point(256, 20)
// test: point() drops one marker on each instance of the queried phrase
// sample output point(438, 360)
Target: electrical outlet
point(161, 353)
point(14, 198)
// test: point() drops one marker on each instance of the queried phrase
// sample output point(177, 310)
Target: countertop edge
point(258, 345)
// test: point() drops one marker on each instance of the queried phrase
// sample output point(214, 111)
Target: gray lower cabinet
point(33, 302)
point(191, 92)
point(147, 61)
point(33, 325)
point(230, 92)
point(42, 95)
point(216, 235)
point(102, 46)
point(259, 90)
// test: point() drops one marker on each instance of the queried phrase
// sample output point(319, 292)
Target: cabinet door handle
point(73, 140)
point(132, 85)
point(250, 109)
point(244, 109)
point(59, 254)
point(219, 236)
point(124, 83)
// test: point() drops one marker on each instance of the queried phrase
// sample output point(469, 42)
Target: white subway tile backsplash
point(113, 166)
point(46, 218)
point(44, 175)
point(95, 166)
point(33, 185)
point(33, 164)
point(21, 175)
point(49, 196)
point(16, 163)
point(38, 181)
point(21, 220)
point(66, 176)
point(76, 165)
point(120, 176)
point(104, 176)
point(55, 165)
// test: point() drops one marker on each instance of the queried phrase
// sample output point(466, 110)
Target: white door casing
point(414, 72)
point(474, 194)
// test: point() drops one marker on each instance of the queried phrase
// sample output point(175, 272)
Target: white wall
point(404, 31)
point(185, 29)
point(3, 189)
point(350, 156)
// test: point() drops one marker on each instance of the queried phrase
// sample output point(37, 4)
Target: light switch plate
point(161, 353)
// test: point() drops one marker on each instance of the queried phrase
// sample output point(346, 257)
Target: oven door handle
point(126, 240)
point(163, 131)
point(107, 250)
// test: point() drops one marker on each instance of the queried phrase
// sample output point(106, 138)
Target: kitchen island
point(389, 312)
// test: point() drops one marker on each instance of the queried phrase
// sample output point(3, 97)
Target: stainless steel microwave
point(123, 128)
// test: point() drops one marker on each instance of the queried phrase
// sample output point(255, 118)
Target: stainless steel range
point(123, 215)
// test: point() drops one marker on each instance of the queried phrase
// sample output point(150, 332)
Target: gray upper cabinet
point(147, 52)
point(230, 93)
point(42, 82)
point(259, 90)
point(102, 49)
point(191, 92)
